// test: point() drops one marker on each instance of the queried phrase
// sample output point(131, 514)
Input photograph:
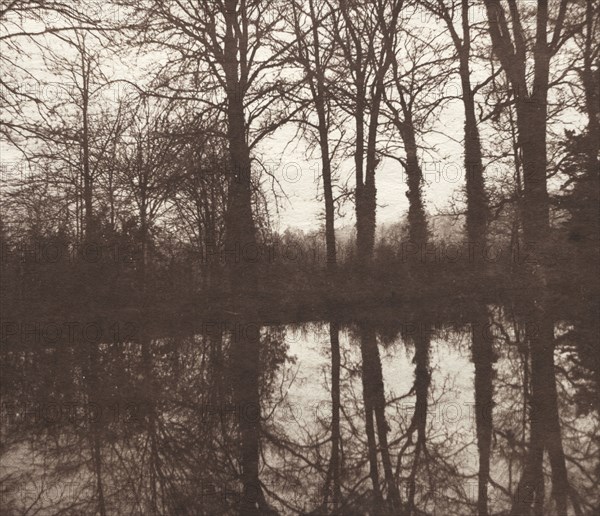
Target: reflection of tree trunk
point(374, 398)
point(544, 427)
point(530, 489)
point(419, 421)
point(245, 354)
point(215, 340)
point(543, 368)
point(95, 422)
point(334, 332)
point(483, 359)
point(98, 472)
point(150, 394)
point(370, 431)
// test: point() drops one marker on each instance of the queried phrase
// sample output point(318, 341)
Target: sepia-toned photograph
point(300, 257)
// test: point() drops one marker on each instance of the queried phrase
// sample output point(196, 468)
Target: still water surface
point(150, 424)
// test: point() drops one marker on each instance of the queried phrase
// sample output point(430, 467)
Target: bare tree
point(461, 35)
point(531, 99)
point(314, 52)
point(26, 26)
point(365, 33)
point(148, 163)
point(413, 96)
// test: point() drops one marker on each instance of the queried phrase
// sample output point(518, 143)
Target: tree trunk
point(85, 148)
point(360, 194)
point(328, 194)
point(318, 89)
point(591, 84)
point(240, 240)
point(417, 220)
point(366, 241)
point(477, 203)
point(143, 254)
point(531, 126)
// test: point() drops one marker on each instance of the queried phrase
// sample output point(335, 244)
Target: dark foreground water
point(112, 418)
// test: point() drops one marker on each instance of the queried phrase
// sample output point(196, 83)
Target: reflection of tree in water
point(483, 359)
point(418, 423)
point(398, 435)
point(152, 426)
point(524, 427)
point(374, 413)
point(142, 428)
point(471, 466)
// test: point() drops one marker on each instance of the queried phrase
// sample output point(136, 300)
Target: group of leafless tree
point(173, 153)
point(138, 133)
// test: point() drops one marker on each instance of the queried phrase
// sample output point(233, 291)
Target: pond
point(402, 416)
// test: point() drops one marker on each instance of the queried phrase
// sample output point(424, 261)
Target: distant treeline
point(52, 273)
